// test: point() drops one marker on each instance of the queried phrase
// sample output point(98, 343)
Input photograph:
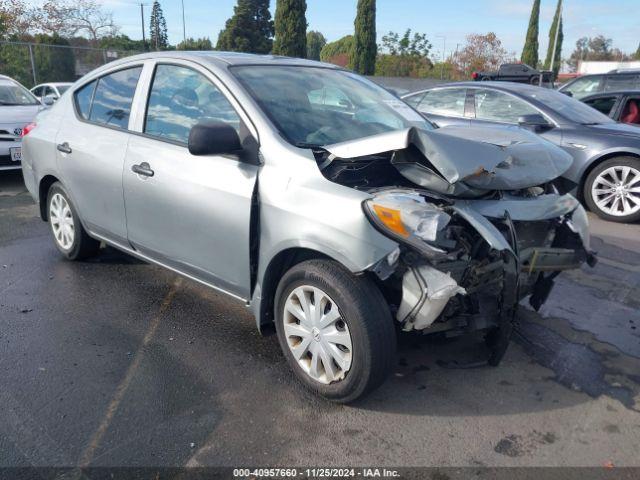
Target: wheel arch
point(43, 191)
point(274, 271)
point(597, 161)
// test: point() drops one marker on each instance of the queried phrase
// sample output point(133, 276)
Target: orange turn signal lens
point(391, 219)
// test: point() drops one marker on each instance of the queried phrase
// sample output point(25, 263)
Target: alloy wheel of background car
point(62, 222)
point(612, 190)
point(316, 334)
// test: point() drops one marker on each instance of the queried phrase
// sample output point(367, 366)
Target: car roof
point(226, 58)
point(513, 87)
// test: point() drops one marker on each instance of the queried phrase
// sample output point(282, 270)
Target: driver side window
point(179, 98)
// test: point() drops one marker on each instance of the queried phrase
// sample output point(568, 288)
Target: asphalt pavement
point(113, 362)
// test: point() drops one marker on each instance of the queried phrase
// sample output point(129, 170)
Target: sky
point(446, 22)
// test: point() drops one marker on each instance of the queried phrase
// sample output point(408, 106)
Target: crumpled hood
point(488, 158)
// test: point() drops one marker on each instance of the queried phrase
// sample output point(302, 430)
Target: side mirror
point(213, 138)
point(535, 121)
point(49, 100)
point(567, 93)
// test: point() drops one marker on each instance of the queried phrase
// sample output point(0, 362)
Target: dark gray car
point(605, 173)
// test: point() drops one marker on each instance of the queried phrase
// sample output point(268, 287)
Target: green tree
point(291, 28)
point(195, 44)
point(250, 29)
point(315, 44)
point(530, 50)
point(365, 48)
point(53, 64)
point(339, 52)
point(555, 25)
point(404, 56)
point(121, 43)
point(637, 54)
point(158, 28)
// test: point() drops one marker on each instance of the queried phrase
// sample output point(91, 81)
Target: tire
point(366, 320)
point(603, 205)
point(70, 239)
point(534, 80)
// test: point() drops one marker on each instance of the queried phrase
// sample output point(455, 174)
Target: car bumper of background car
point(7, 143)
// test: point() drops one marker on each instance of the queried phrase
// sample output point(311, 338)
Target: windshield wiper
point(307, 145)
point(591, 123)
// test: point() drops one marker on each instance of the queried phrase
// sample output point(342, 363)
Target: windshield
point(568, 107)
point(13, 94)
point(314, 106)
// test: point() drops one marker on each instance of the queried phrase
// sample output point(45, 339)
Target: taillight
point(28, 128)
point(474, 75)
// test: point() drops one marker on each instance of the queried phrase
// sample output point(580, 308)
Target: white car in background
point(51, 90)
point(18, 108)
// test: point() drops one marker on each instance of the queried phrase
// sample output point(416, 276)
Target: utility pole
point(184, 27)
point(144, 40)
point(444, 43)
point(555, 42)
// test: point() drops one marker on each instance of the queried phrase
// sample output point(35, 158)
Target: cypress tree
point(365, 48)
point(158, 28)
point(637, 55)
point(315, 44)
point(250, 29)
point(291, 28)
point(557, 23)
point(530, 50)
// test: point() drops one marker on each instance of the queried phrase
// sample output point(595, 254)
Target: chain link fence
point(34, 63)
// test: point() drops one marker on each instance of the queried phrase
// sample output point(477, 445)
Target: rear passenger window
point(181, 97)
point(113, 97)
point(83, 99)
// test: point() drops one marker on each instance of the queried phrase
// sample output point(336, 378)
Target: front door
point(190, 213)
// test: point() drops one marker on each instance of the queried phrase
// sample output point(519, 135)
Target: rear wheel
point(68, 235)
point(612, 189)
point(335, 330)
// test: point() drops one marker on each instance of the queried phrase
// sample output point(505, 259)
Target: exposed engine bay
point(478, 220)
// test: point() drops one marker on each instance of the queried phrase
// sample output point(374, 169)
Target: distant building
point(586, 67)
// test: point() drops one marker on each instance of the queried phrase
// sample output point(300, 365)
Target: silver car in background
point(18, 108)
point(329, 207)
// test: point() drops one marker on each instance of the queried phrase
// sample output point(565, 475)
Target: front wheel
point(612, 190)
point(68, 234)
point(335, 330)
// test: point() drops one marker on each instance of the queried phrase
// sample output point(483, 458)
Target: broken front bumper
point(531, 240)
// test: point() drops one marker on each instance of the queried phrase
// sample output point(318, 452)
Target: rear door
point(190, 213)
point(445, 106)
point(91, 147)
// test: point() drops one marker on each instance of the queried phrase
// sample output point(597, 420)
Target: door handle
point(143, 169)
point(64, 147)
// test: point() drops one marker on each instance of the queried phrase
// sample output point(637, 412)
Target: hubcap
point(61, 220)
point(316, 334)
point(616, 191)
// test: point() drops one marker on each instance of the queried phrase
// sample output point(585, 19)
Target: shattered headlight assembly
point(408, 218)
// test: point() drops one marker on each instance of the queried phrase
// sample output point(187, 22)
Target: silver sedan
point(327, 206)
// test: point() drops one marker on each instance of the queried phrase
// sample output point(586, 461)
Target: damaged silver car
point(330, 208)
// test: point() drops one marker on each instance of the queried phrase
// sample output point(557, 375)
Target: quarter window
point(180, 97)
point(500, 107)
point(113, 98)
point(83, 99)
point(444, 101)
